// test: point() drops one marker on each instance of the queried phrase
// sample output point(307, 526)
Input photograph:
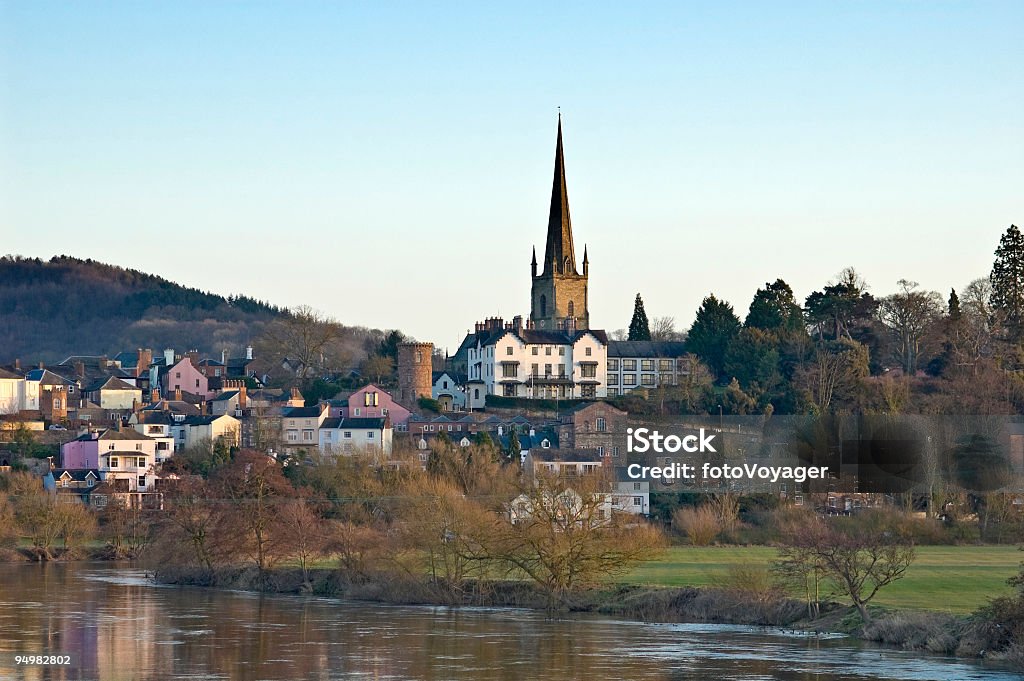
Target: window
point(666, 379)
point(327, 435)
point(613, 379)
point(138, 446)
point(647, 379)
point(533, 350)
point(141, 462)
point(384, 412)
point(508, 350)
point(613, 365)
point(636, 486)
point(561, 352)
point(177, 374)
point(601, 424)
point(510, 370)
point(629, 379)
point(476, 393)
point(561, 371)
point(110, 446)
point(547, 349)
point(588, 391)
point(509, 390)
point(216, 372)
point(638, 501)
point(629, 365)
point(307, 436)
point(589, 352)
point(293, 436)
point(369, 435)
point(572, 308)
point(600, 450)
point(613, 392)
point(647, 365)
point(348, 434)
point(142, 481)
point(534, 369)
point(664, 365)
point(114, 462)
point(615, 452)
point(588, 371)
point(197, 382)
point(356, 410)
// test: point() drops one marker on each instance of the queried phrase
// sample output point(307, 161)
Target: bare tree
point(308, 338)
point(859, 556)
point(562, 535)
point(908, 314)
point(664, 329)
point(303, 537)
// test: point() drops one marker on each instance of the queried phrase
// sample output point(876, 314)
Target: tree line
point(844, 350)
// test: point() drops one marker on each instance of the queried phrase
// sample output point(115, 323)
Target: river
point(115, 624)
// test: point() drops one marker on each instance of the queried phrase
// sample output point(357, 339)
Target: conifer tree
point(639, 328)
point(954, 306)
point(712, 332)
point(1008, 281)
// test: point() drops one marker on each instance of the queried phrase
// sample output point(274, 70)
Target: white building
point(353, 435)
point(511, 360)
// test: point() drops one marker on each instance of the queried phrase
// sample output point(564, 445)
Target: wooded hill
point(50, 310)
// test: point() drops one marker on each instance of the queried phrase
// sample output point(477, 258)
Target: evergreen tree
point(712, 332)
point(639, 328)
point(1008, 280)
point(774, 308)
point(954, 306)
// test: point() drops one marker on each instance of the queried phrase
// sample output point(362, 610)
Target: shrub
point(700, 525)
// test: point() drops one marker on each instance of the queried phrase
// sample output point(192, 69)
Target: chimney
point(202, 407)
point(154, 395)
point(177, 394)
point(169, 356)
point(248, 352)
point(80, 368)
point(17, 364)
point(145, 359)
point(193, 357)
point(224, 356)
point(42, 366)
point(242, 396)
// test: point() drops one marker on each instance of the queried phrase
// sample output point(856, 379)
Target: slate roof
point(4, 373)
point(355, 423)
point(111, 383)
point(301, 412)
point(647, 349)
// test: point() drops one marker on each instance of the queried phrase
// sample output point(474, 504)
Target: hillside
point(50, 310)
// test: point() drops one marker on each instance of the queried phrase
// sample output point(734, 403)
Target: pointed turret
point(559, 256)
point(586, 261)
point(533, 263)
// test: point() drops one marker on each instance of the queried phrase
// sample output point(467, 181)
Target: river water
point(116, 625)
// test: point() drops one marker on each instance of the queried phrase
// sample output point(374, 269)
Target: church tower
point(558, 297)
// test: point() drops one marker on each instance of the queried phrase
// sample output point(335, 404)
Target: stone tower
point(558, 297)
point(415, 378)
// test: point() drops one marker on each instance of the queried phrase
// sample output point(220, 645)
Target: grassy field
point(952, 578)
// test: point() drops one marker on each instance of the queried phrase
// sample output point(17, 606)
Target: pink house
point(372, 401)
point(117, 454)
point(186, 377)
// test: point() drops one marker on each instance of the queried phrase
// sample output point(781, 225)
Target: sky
point(390, 164)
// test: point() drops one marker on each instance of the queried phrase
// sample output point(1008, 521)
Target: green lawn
point(952, 578)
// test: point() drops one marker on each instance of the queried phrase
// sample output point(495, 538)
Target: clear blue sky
point(390, 164)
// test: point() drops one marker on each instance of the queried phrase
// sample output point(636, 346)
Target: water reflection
point(118, 626)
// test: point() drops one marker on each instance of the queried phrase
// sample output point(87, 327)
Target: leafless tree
point(908, 314)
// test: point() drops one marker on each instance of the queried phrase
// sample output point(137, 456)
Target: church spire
point(559, 257)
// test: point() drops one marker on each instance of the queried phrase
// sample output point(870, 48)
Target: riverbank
point(931, 632)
